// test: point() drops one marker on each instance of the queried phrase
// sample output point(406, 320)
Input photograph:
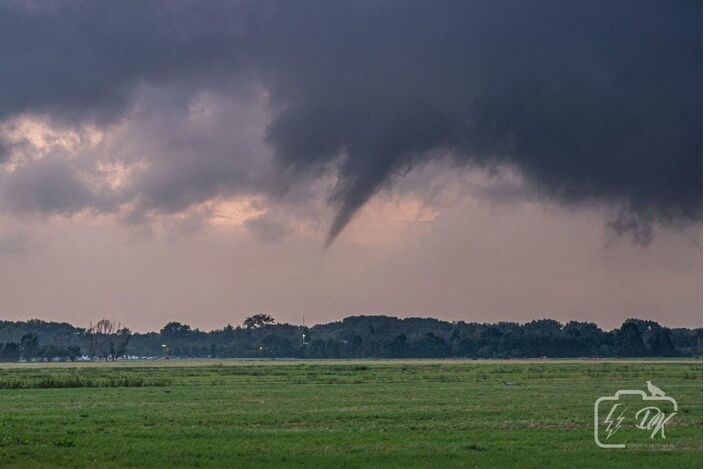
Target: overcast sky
point(476, 161)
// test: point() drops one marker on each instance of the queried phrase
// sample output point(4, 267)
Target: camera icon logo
point(630, 415)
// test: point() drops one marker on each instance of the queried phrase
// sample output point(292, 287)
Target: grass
point(78, 381)
point(334, 414)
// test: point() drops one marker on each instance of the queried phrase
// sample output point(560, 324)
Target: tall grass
point(77, 381)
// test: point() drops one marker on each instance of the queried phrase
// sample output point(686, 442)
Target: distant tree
point(108, 339)
point(658, 342)
point(258, 320)
point(175, 331)
point(98, 336)
point(48, 352)
point(277, 346)
point(687, 342)
point(629, 338)
point(11, 352)
point(396, 348)
point(544, 326)
point(121, 339)
point(73, 352)
point(316, 349)
point(352, 337)
point(29, 346)
point(430, 345)
point(582, 339)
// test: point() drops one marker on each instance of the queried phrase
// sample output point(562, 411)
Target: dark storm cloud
point(83, 59)
point(5, 149)
point(195, 157)
point(50, 186)
point(592, 101)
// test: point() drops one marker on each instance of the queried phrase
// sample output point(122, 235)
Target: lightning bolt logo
point(614, 424)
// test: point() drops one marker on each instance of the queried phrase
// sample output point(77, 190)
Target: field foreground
point(335, 414)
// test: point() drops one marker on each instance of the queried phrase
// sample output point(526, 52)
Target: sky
point(479, 161)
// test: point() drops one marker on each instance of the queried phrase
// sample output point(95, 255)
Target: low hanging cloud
point(591, 102)
point(47, 186)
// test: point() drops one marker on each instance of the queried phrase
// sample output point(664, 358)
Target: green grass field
point(230, 413)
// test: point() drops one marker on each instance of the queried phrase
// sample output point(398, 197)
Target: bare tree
point(108, 339)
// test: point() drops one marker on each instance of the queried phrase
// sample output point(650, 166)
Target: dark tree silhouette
point(258, 320)
point(29, 346)
point(353, 337)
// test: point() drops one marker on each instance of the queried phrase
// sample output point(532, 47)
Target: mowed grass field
point(230, 413)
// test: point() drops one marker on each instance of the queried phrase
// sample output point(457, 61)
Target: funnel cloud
point(591, 102)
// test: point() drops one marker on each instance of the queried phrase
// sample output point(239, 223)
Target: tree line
point(353, 337)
